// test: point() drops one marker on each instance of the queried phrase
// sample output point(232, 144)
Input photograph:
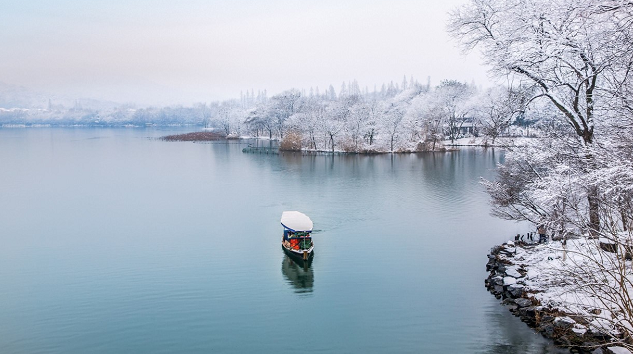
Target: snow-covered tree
point(576, 54)
point(497, 108)
point(282, 106)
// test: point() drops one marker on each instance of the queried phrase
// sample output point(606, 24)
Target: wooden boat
point(297, 240)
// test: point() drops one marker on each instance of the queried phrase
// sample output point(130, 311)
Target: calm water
point(115, 243)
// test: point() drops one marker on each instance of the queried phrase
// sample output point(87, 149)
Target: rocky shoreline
point(508, 281)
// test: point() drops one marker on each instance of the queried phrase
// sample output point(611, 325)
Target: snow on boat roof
point(296, 221)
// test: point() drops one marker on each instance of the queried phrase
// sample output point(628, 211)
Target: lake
point(115, 242)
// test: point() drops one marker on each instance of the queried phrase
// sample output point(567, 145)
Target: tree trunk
point(594, 215)
point(592, 194)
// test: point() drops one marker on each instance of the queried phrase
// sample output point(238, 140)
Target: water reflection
point(300, 276)
point(511, 336)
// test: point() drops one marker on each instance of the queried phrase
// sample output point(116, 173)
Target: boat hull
point(298, 255)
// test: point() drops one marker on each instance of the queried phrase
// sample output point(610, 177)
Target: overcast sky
point(187, 51)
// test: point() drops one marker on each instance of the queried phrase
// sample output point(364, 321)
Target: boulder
point(513, 272)
point(608, 245)
point(564, 322)
point(618, 350)
point(523, 302)
point(509, 281)
point(530, 312)
point(562, 341)
point(516, 290)
point(490, 265)
point(547, 330)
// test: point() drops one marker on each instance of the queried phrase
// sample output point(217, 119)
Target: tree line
point(398, 117)
point(409, 117)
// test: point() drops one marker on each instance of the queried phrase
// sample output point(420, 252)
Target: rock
point(513, 272)
point(515, 290)
point(523, 302)
point(497, 280)
point(563, 322)
point(547, 330)
point(562, 341)
point(490, 265)
point(597, 351)
point(618, 350)
point(509, 281)
point(530, 312)
point(608, 245)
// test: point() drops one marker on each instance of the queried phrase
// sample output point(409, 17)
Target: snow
point(486, 141)
point(552, 279)
point(296, 221)
point(513, 272)
point(532, 274)
point(564, 321)
point(619, 350)
point(579, 331)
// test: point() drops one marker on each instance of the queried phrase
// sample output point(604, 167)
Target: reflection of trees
point(300, 276)
point(506, 337)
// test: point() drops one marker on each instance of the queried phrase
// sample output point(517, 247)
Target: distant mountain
point(14, 96)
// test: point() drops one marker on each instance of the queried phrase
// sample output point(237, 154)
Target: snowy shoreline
point(532, 281)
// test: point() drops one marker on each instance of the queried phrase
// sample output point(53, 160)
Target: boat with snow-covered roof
point(297, 239)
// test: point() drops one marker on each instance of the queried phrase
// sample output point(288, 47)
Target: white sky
point(187, 51)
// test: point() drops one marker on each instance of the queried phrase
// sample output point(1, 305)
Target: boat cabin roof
point(296, 221)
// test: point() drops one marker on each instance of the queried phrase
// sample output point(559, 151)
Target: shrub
point(291, 141)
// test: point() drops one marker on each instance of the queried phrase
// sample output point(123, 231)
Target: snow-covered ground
point(584, 285)
point(486, 141)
